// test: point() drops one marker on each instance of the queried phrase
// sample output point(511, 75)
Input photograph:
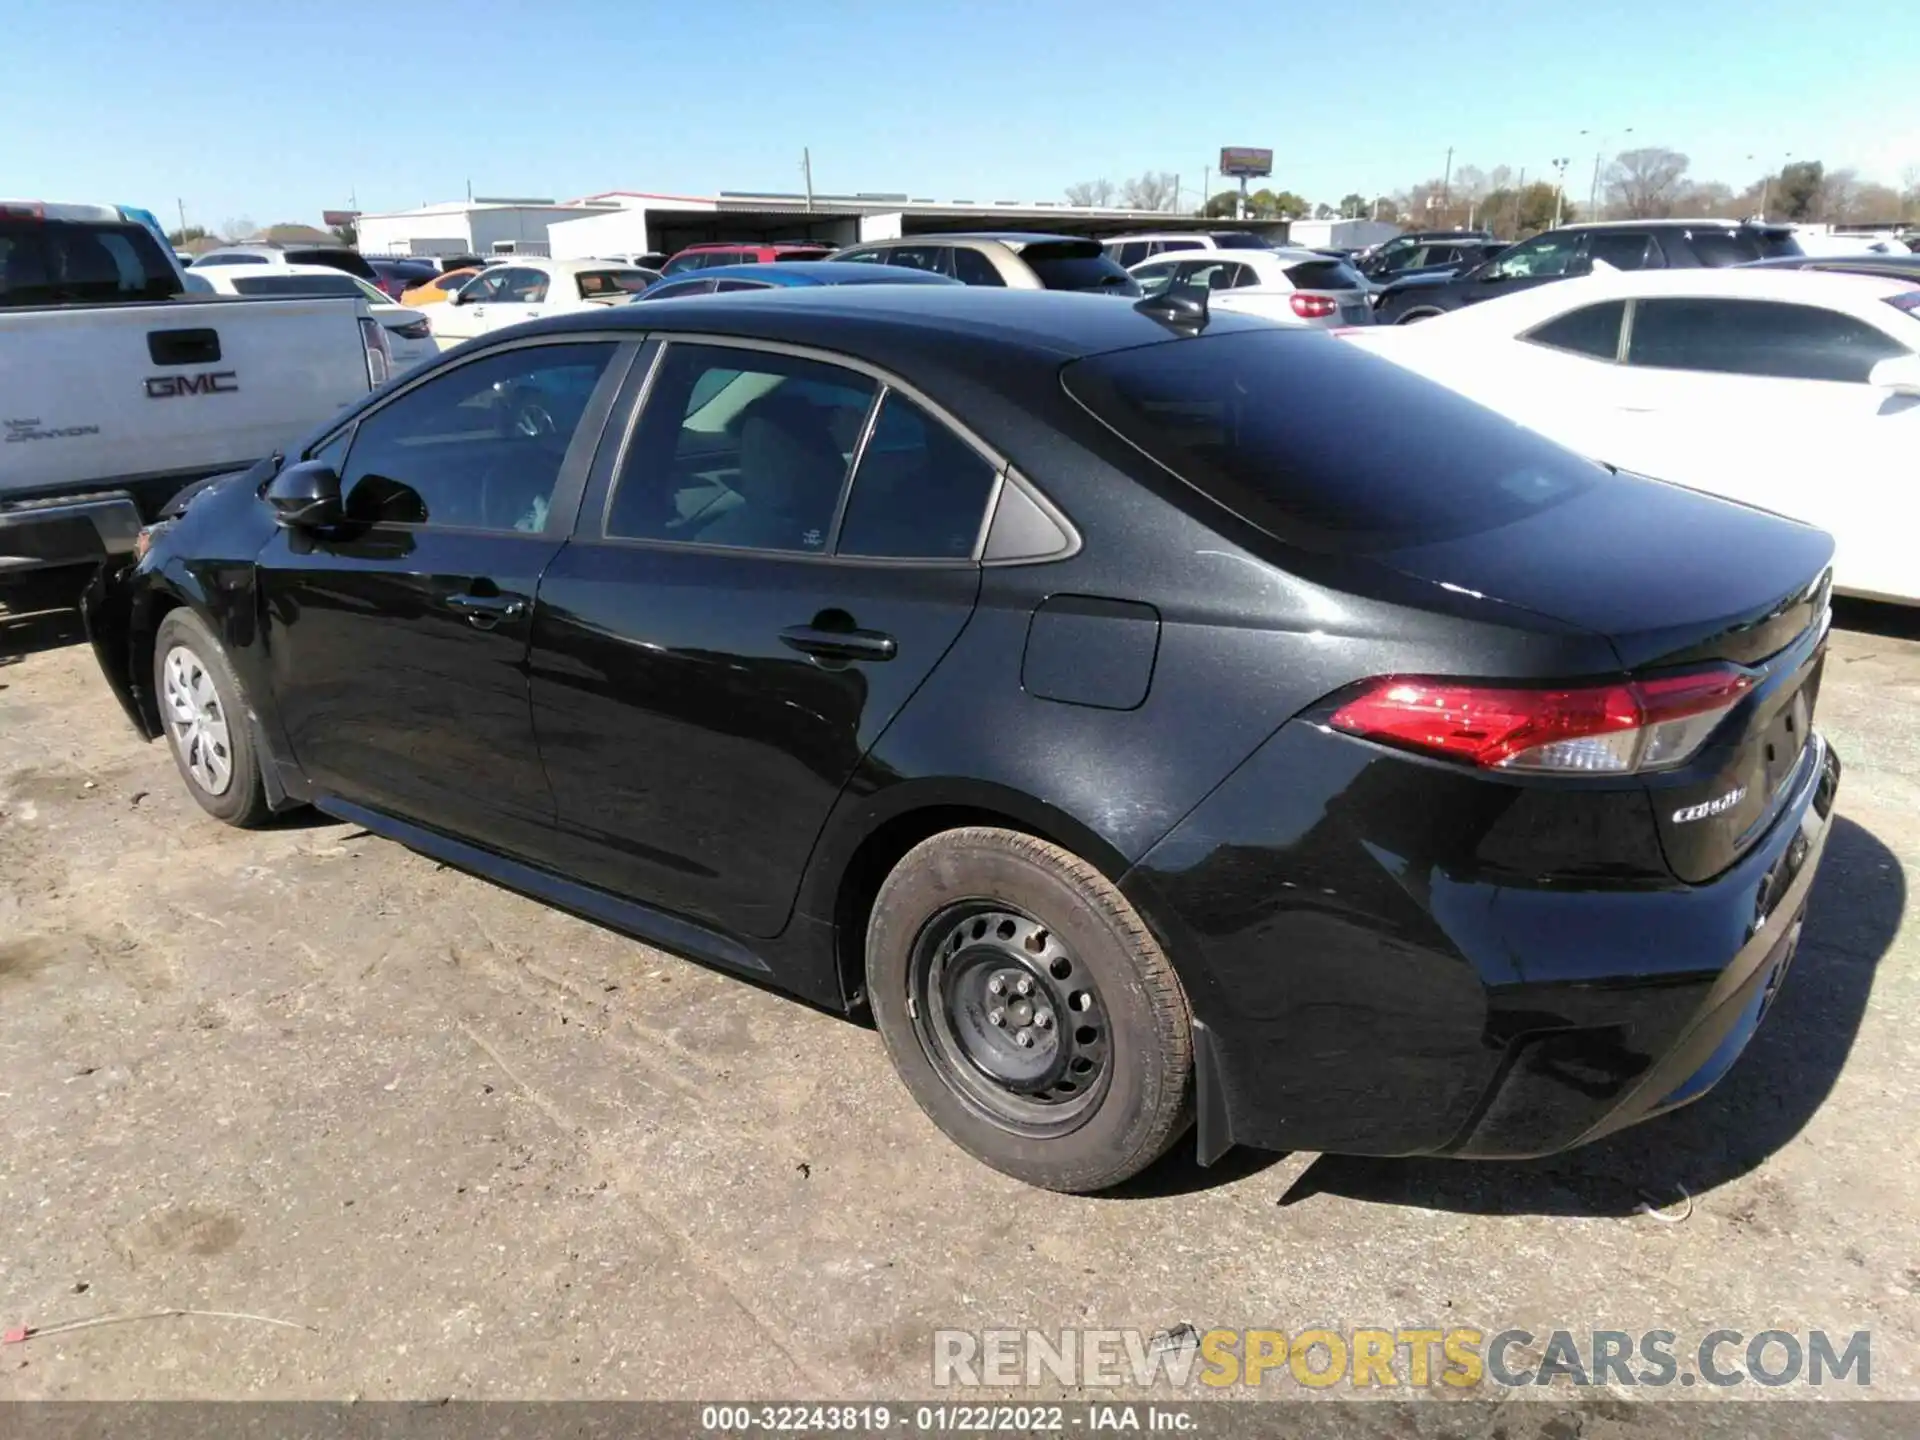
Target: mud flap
point(1213, 1134)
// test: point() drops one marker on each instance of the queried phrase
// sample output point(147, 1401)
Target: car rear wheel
point(207, 725)
point(1028, 1009)
point(1415, 315)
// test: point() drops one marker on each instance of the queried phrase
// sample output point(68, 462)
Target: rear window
point(1077, 265)
point(351, 261)
point(295, 285)
point(1325, 275)
point(1323, 469)
point(1238, 240)
point(610, 282)
point(63, 262)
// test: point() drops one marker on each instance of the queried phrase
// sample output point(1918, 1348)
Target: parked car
point(409, 339)
point(1013, 260)
point(1436, 260)
point(395, 277)
point(439, 289)
point(1577, 250)
point(728, 279)
point(1295, 287)
point(1903, 266)
point(1386, 260)
point(1798, 392)
point(119, 389)
point(702, 257)
point(338, 257)
point(1356, 773)
point(503, 295)
point(1128, 251)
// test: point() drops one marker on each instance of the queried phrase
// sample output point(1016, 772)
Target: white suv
point(1130, 250)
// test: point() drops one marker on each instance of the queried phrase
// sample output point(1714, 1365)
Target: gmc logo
point(207, 382)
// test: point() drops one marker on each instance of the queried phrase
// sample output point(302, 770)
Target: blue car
point(780, 273)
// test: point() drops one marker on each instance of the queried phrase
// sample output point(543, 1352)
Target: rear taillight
point(379, 354)
point(413, 330)
point(1615, 729)
point(1311, 307)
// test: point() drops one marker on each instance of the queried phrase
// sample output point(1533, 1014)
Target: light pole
point(1600, 147)
point(1559, 187)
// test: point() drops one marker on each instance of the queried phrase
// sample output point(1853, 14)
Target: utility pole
point(1518, 191)
point(1559, 187)
point(1446, 182)
point(183, 219)
point(806, 169)
point(1206, 184)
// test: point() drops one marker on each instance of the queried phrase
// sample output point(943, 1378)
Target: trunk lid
point(1675, 578)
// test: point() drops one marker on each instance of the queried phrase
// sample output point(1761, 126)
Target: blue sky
point(274, 111)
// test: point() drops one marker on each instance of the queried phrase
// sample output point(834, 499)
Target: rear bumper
point(1353, 994)
point(47, 533)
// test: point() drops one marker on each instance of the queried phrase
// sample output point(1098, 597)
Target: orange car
point(433, 291)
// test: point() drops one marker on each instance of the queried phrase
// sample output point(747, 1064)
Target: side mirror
point(1901, 375)
point(306, 496)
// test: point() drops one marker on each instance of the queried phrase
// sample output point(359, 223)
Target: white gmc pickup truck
point(117, 389)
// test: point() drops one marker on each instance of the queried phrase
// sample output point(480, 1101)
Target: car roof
point(1704, 223)
point(757, 245)
point(818, 272)
point(1175, 235)
point(908, 327)
point(1014, 240)
point(1849, 264)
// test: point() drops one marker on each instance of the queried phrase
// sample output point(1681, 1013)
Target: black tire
point(1071, 936)
point(242, 800)
point(1413, 317)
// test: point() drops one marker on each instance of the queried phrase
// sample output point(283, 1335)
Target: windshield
point(1283, 428)
point(65, 262)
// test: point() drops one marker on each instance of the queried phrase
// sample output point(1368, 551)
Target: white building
point(1340, 234)
point(470, 227)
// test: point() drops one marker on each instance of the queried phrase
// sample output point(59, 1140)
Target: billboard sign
point(1240, 160)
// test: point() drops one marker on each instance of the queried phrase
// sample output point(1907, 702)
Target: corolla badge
point(1718, 806)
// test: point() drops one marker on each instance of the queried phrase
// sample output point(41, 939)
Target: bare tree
point(1643, 184)
point(1909, 190)
point(1874, 204)
point(1091, 192)
point(1151, 190)
point(1708, 200)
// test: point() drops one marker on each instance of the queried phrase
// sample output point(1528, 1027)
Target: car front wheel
point(207, 725)
point(1029, 1010)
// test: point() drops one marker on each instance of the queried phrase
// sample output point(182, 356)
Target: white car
point(1293, 287)
point(1793, 390)
point(506, 294)
point(1130, 250)
point(409, 339)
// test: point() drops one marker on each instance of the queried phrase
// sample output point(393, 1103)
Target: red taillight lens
point(1311, 307)
point(379, 353)
point(1600, 729)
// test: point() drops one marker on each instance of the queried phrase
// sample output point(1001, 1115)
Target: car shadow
point(28, 633)
point(1765, 1101)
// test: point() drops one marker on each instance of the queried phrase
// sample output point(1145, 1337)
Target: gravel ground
point(481, 1149)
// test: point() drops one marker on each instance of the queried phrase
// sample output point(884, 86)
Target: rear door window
point(919, 257)
point(1592, 330)
point(1156, 277)
point(1077, 265)
point(1624, 250)
point(970, 267)
point(1757, 337)
point(1320, 471)
point(920, 491)
point(335, 284)
point(742, 448)
point(726, 285)
point(1129, 253)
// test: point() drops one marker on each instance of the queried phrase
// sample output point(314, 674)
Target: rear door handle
point(839, 644)
point(483, 612)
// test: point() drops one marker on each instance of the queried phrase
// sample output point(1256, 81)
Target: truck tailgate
point(100, 394)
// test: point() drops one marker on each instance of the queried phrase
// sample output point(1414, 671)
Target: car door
point(465, 314)
point(397, 642)
point(1767, 402)
point(732, 628)
point(524, 293)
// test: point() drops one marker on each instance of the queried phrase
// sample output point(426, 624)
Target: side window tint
point(1543, 255)
point(740, 447)
point(1156, 277)
point(479, 447)
point(728, 285)
point(1622, 249)
point(1757, 337)
point(920, 492)
point(970, 267)
point(334, 451)
point(1591, 330)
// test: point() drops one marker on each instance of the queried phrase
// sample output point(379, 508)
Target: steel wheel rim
point(982, 976)
point(196, 721)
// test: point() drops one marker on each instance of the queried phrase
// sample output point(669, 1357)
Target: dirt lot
point(484, 1150)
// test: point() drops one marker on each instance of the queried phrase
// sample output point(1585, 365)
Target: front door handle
point(839, 644)
point(483, 612)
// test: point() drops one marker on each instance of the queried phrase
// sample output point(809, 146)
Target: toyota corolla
point(1154, 721)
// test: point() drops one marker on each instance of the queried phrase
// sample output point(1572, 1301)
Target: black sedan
point(1150, 719)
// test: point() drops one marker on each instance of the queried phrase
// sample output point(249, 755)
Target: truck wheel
point(208, 727)
point(1028, 1009)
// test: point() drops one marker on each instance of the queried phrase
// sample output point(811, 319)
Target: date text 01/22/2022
point(944, 1419)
